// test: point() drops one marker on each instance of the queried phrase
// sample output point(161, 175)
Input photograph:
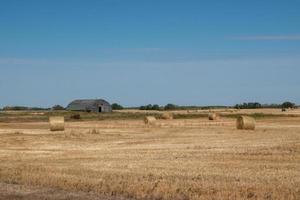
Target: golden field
point(191, 158)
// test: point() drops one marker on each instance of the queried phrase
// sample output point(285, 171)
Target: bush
point(58, 107)
point(288, 104)
point(14, 108)
point(250, 105)
point(155, 107)
point(75, 116)
point(170, 107)
point(116, 106)
point(150, 107)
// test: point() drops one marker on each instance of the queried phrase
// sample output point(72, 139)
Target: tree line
point(170, 106)
point(255, 105)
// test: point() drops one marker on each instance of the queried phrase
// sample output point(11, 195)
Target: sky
point(137, 52)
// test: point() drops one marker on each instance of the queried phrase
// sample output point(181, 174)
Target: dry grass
point(177, 159)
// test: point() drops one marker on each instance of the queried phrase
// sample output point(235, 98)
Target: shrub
point(288, 104)
point(170, 107)
point(7, 108)
point(15, 108)
point(58, 107)
point(155, 107)
point(116, 106)
point(75, 116)
point(150, 107)
point(250, 105)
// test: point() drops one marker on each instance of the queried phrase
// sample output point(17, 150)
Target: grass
point(43, 116)
point(25, 116)
point(254, 115)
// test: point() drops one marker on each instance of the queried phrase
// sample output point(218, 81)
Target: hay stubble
point(178, 162)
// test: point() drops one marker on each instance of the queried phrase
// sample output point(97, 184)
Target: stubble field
point(176, 159)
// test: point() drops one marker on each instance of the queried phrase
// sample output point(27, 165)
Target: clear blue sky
point(136, 52)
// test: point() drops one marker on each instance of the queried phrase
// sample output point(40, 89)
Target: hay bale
point(57, 123)
point(213, 116)
point(245, 123)
point(167, 115)
point(150, 120)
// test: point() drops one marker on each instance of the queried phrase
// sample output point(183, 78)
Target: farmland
point(116, 156)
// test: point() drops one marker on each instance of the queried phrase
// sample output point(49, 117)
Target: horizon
point(138, 106)
point(140, 52)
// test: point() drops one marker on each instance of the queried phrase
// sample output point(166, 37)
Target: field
point(118, 157)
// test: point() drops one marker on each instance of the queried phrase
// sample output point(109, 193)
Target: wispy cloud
point(219, 62)
point(133, 50)
point(268, 37)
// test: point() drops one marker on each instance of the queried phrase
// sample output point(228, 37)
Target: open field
point(120, 158)
point(43, 116)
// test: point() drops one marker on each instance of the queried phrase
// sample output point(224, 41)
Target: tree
point(116, 106)
point(150, 107)
point(15, 108)
point(155, 107)
point(143, 108)
point(170, 107)
point(288, 104)
point(250, 105)
point(58, 107)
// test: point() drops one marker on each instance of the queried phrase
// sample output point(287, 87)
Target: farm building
point(90, 105)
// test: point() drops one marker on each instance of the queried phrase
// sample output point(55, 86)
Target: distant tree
point(250, 105)
point(38, 108)
point(170, 107)
point(150, 107)
point(256, 105)
point(15, 108)
point(58, 107)
point(237, 106)
point(142, 107)
point(155, 107)
point(288, 104)
point(116, 106)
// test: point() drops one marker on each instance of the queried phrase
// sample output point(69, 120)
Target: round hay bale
point(245, 123)
point(213, 116)
point(150, 120)
point(167, 115)
point(57, 123)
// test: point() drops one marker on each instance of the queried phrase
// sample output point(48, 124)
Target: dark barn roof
point(92, 105)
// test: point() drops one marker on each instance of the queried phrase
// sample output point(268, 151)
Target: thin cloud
point(130, 50)
point(269, 37)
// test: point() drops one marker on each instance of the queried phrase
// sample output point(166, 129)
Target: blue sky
point(136, 52)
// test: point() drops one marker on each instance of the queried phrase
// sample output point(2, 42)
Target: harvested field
point(175, 159)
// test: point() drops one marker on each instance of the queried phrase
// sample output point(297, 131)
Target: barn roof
point(84, 104)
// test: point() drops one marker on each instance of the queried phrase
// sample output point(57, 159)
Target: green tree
point(170, 107)
point(150, 107)
point(288, 104)
point(155, 107)
point(116, 106)
point(58, 107)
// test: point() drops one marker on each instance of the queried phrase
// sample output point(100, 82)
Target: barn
point(89, 105)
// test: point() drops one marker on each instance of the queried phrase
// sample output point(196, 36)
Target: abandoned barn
point(90, 105)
